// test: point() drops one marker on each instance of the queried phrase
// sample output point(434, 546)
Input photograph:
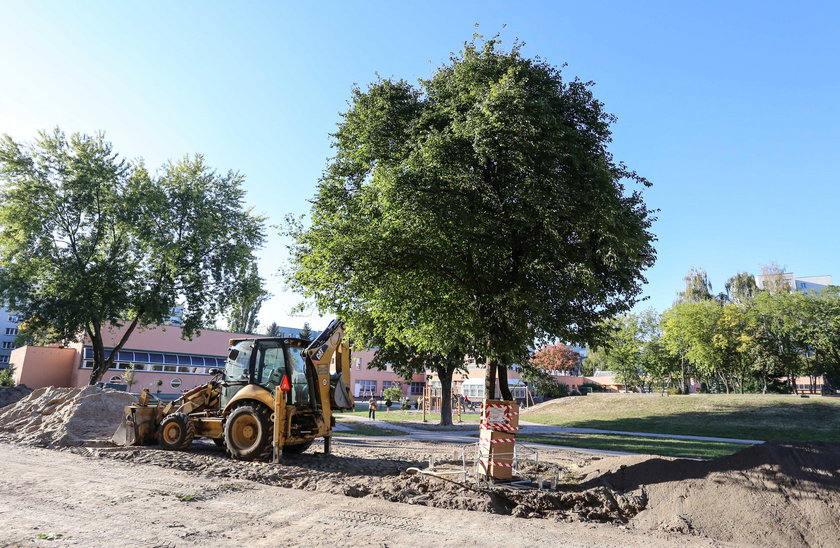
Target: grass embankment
point(757, 417)
point(637, 444)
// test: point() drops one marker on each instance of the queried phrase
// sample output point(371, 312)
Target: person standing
point(372, 408)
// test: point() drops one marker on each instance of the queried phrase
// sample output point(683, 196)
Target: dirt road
point(60, 498)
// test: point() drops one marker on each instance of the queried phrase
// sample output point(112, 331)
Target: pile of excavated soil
point(773, 494)
point(63, 416)
point(11, 394)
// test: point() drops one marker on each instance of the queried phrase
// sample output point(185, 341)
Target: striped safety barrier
point(496, 424)
point(500, 440)
point(500, 464)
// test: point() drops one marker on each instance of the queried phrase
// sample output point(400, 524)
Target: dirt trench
point(378, 470)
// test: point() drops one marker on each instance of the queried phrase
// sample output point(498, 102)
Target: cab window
point(301, 389)
point(271, 365)
point(236, 367)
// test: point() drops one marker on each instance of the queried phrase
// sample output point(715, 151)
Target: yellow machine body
point(204, 411)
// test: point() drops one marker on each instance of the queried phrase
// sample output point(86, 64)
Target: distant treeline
point(744, 340)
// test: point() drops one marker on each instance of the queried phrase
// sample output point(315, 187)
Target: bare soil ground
point(55, 498)
point(776, 494)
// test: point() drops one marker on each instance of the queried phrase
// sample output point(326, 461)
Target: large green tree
point(480, 205)
point(90, 242)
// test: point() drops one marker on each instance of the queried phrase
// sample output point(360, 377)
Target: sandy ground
point(62, 482)
point(92, 501)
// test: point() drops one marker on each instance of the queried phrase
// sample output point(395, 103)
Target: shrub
point(7, 376)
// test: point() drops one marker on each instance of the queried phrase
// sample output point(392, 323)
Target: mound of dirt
point(11, 394)
point(779, 494)
point(63, 416)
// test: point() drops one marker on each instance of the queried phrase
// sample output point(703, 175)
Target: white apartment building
point(9, 323)
point(804, 284)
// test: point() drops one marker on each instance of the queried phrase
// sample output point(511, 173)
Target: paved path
point(461, 435)
point(535, 428)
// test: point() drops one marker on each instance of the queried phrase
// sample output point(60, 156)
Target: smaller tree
point(128, 376)
point(393, 393)
point(273, 330)
point(623, 348)
point(697, 287)
point(246, 302)
point(595, 360)
point(773, 278)
point(557, 357)
point(305, 332)
point(741, 288)
point(543, 383)
point(7, 376)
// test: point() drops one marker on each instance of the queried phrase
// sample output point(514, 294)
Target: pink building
point(161, 360)
point(165, 363)
point(366, 382)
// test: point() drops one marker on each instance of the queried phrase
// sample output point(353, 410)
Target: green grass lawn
point(403, 416)
point(637, 444)
point(361, 429)
point(771, 417)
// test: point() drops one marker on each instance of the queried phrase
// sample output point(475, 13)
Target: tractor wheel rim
point(244, 431)
point(172, 432)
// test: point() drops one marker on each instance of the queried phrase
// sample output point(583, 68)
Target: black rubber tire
point(219, 441)
point(248, 432)
point(296, 449)
point(176, 432)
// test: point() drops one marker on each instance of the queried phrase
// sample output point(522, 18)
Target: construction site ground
point(148, 497)
point(65, 483)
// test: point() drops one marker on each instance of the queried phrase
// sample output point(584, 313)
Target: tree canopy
point(557, 357)
point(756, 340)
point(479, 208)
point(90, 241)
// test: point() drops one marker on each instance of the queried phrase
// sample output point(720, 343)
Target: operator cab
point(264, 362)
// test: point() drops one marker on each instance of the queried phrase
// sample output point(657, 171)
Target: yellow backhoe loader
point(276, 395)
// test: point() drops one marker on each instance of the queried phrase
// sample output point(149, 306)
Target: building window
point(175, 383)
point(473, 391)
point(389, 384)
point(365, 388)
point(4, 359)
point(11, 331)
point(9, 345)
point(417, 388)
point(358, 363)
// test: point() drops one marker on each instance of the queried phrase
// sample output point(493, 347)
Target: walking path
point(459, 435)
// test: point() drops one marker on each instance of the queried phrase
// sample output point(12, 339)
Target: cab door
point(237, 370)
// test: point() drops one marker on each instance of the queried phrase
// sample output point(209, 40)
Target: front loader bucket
point(138, 427)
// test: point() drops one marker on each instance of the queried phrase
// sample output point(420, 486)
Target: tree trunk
point(445, 376)
point(684, 387)
point(100, 363)
point(503, 383)
point(490, 381)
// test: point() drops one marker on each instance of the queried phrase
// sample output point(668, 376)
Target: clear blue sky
point(729, 108)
